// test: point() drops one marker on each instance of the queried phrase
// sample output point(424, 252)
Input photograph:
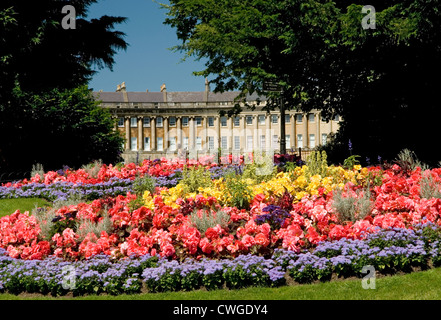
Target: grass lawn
point(8, 206)
point(425, 285)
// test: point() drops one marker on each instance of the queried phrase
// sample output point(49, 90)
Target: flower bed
point(233, 226)
point(388, 251)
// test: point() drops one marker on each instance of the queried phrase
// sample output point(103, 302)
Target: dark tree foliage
point(383, 82)
point(47, 114)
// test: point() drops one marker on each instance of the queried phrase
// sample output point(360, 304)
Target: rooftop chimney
point(207, 90)
point(164, 92)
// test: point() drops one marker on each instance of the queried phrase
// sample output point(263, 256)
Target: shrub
point(85, 226)
point(194, 178)
point(317, 164)
point(352, 208)
point(37, 169)
point(239, 192)
point(143, 184)
point(208, 219)
point(408, 161)
point(429, 188)
point(93, 168)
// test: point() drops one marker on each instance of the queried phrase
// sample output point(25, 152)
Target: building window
point(261, 120)
point(120, 122)
point(249, 120)
point(324, 138)
point(287, 141)
point(133, 122)
point(185, 143)
point(337, 117)
point(198, 143)
point(172, 122)
point(236, 121)
point(133, 144)
point(146, 122)
point(249, 143)
point(312, 140)
point(275, 141)
point(287, 118)
point(224, 144)
point(311, 117)
point(198, 121)
point(159, 122)
point(299, 117)
point(173, 144)
point(236, 142)
point(274, 119)
point(160, 144)
point(299, 141)
point(211, 143)
point(185, 121)
point(223, 121)
point(146, 143)
point(262, 142)
point(210, 121)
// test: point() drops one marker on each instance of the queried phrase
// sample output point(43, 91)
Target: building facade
point(171, 124)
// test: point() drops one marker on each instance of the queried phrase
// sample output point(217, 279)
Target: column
point(268, 134)
point(191, 140)
point(231, 133)
point(179, 132)
point(305, 131)
point(205, 134)
point(293, 131)
point(243, 135)
point(127, 124)
point(166, 142)
point(140, 133)
point(318, 138)
point(218, 132)
point(153, 134)
point(255, 133)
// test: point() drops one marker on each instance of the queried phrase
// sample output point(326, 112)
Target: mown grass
point(424, 285)
point(8, 206)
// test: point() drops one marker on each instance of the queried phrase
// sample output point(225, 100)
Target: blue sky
point(147, 63)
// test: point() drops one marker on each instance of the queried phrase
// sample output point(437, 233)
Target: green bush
point(349, 208)
point(194, 178)
point(143, 184)
point(209, 219)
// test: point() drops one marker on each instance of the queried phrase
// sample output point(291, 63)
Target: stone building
point(170, 124)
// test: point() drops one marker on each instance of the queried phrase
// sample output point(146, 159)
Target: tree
point(62, 127)
point(46, 114)
point(320, 53)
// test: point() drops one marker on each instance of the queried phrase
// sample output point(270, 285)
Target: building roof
point(185, 97)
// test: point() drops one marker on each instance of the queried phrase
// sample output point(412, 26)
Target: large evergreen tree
point(47, 114)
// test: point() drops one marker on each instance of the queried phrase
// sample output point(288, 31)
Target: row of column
point(217, 126)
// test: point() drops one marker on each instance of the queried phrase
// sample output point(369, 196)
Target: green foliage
point(408, 161)
point(429, 188)
point(93, 168)
point(317, 164)
point(37, 169)
point(261, 169)
point(85, 226)
point(339, 67)
point(45, 106)
point(194, 178)
point(208, 219)
point(239, 192)
point(350, 162)
point(71, 120)
point(143, 184)
point(352, 208)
